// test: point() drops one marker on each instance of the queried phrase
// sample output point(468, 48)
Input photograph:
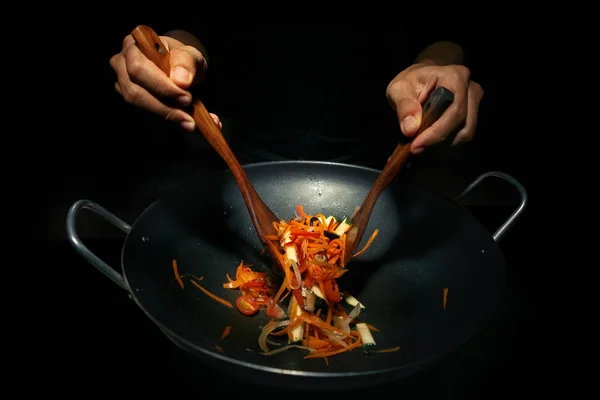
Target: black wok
point(427, 242)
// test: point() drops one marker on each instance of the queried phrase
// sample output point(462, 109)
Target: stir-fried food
point(308, 306)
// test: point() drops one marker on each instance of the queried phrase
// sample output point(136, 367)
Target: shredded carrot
point(445, 298)
point(311, 254)
point(198, 278)
point(176, 272)
point(390, 350)
point(219, 348)
point(366, 246)
point(352, 346)
point(226, 332)
point(214, 296)
point(372, 328)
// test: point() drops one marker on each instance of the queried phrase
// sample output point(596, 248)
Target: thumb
point(184, 65)
point(409, 112)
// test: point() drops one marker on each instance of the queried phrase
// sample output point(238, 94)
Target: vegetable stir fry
point(307, 306)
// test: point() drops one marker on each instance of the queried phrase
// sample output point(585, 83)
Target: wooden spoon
point(262, 216)
point(436, 104)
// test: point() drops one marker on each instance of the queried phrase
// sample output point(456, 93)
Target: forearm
point(442, 53)
point(189, 39)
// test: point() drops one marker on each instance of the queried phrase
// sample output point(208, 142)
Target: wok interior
point(426, 243)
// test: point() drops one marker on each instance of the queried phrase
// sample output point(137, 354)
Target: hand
point(409, 90)
point(141, 83)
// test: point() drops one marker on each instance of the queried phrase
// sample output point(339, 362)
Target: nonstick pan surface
point(426, 243)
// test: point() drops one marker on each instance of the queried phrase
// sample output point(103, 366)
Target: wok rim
point(191, 347)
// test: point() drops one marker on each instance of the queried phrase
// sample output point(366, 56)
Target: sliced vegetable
point(351, 300)
point(343, 227)
point(226, 332)
point(176, 272)
point(296, 334)
point(246, 305)
point(369, 345)
point(212, 295)
point(445, 298)
point(319, 317)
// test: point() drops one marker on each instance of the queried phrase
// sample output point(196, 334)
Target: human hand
point(142, 83)
point(409, 90)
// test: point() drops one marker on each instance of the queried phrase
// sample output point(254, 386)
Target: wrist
point(443, 53)
point(426, 61)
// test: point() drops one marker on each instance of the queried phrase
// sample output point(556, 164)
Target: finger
point(409, 112)
point(140, 97)
point(190, 125)
point(467, 133)
point(148, 75)
point(186, 63)
point(215, 118)
point(453, 117)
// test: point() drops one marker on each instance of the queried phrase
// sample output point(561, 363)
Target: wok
point(427, 242)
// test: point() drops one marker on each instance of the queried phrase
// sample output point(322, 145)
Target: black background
point(100, 148)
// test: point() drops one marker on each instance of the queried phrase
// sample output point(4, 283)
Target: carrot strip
point(288, 329)
point(198, 278)
point(351, 347)
point(372, 328)
point(445, 298)
point(285, 295)
point(301, 211)
point(214, 296)
point(390, 350)
point(226, 332)
point(366, 246)
point(176, 272)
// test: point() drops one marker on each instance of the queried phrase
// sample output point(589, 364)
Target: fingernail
point(408, 124)
point(181, 75)
point(418, 150)
point(188, 124)
point(184, 100)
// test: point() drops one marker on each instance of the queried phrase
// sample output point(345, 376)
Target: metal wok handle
point(515, 214)
point(83, 250)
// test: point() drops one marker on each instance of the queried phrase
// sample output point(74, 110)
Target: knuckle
point(396, 85)
point(394, 90)
point(131, 94)
point(461, 110)
point(128, 41)
point(477, 89)
point(391, 89)
point(463, 71)
point(169, 114)
point(135, 66)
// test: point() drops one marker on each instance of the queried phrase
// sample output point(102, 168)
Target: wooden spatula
point(262, 216)
point(434, 107)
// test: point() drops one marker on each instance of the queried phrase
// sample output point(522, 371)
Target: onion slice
point(289, 346)
point(268, 328)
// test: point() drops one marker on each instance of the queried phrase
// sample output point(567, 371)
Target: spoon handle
point(434, 107)
point(262, 217)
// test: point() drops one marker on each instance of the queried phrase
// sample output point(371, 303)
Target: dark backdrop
point(101, 148)
point(88, 143)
